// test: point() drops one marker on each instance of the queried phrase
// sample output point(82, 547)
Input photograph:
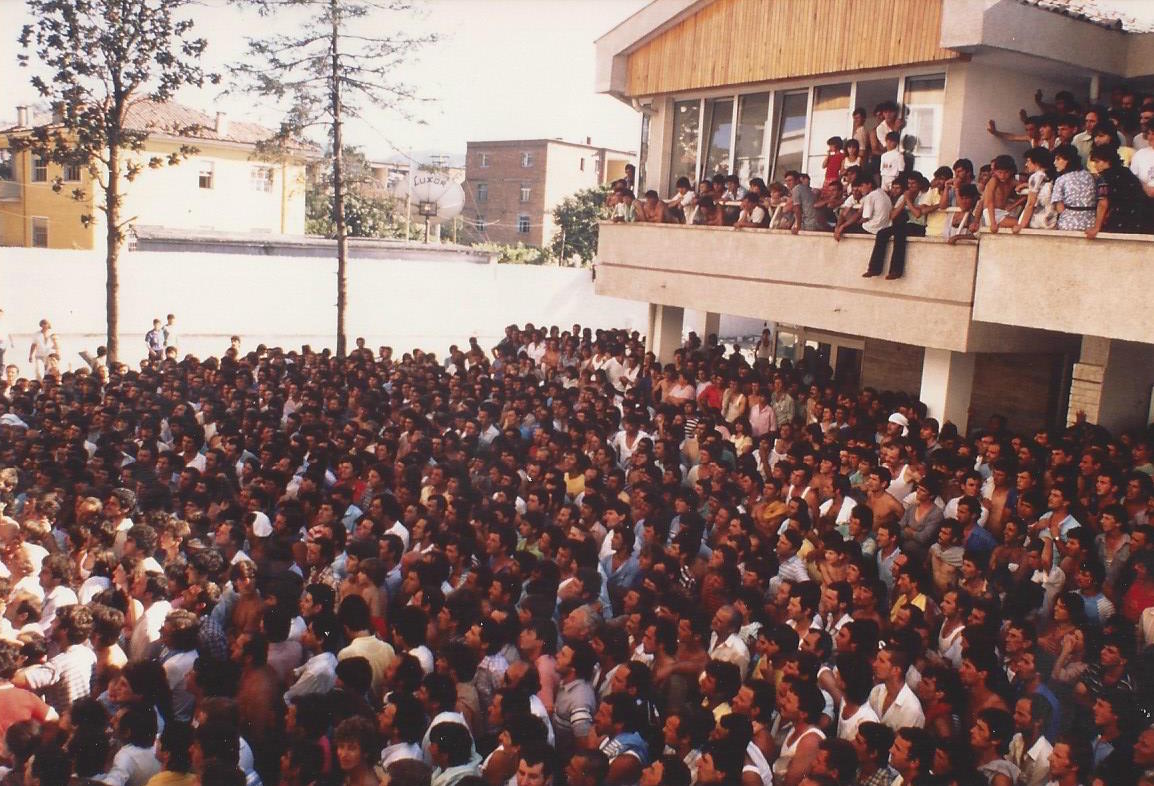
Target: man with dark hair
point(17, 704)
point(912, 754)
point(1071, 761)
point(450, 749)
point(1029, 748)
point(892, 699)
point(872, 745)
point(576, 702)
point(586, 768)
point(990, 742)
point(356, 621)
point(151, 589)
point(535, 765)
point(67, 676)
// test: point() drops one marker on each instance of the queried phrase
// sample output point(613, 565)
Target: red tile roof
point(178, 120)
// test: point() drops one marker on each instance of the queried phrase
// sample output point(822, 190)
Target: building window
point(484, 160)
point(525, 192)
point(39, 232)
point(581, 164)
point(526, 160)
point(205, 174)
point(39, 169)
point(261, 178)
point(482, 192)
point(523, 225)
point(72, 173)
point(480, 223)
point(6, 172)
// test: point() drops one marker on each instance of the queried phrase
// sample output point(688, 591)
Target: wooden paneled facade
point(730, 42)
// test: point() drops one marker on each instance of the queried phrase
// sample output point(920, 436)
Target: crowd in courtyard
point(1085, 169)
point(557, 561)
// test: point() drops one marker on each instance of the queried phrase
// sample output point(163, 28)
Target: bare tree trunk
point(112, 254)
point(338, 184)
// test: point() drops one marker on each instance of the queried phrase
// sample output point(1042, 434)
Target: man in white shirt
point(725, 643)
point(1142, 162)
point(151, 590)
point(1029, 748)
point(874, 214)
point(892, 700)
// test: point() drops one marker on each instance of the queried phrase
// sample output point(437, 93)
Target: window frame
point(523, 224)
point(262, 178)
point(526, 159)
point(482, 192)
point(209, 168)
point(483, 160)
point(39, 168)
point(43, 223)
point(776, 93)
point(526, 193)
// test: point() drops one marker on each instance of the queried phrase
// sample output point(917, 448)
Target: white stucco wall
point(289, 301)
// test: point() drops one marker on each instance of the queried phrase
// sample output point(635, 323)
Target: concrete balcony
point(805, 279)
point(1064, 282)
point(10, 191)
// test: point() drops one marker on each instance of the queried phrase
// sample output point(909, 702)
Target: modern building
point(225, 185)
point(512, 186)
point(1037, 326)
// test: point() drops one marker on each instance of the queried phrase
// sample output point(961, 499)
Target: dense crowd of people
point(1088, 170)
point(560, 562)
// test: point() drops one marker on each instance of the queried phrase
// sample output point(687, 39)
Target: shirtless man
point(885, 506)
point(999, 197)
point(652, 210)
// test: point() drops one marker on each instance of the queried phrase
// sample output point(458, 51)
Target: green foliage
point(101, 58)
point(134, 50)
point(576, 218)
point(519, 254)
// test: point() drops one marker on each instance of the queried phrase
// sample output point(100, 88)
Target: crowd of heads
point(560, 561)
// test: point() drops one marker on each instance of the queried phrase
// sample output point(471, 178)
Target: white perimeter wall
point(290, 301)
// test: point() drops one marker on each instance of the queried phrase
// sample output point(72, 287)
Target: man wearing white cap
point(901, 422)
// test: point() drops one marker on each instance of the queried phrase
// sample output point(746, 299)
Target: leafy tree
point(105, 56)
point(576, 218)
point(519, 254)
point(368, 213)
point(337, 62)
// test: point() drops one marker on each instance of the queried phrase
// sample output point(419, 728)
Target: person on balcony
point(652, 210)
point(908, 221)
point(1075, 193)
point(1038, 212)
point(683, 204)
point(874, 214)
point(998, 198)
point(753, 215)
point(1122, 204)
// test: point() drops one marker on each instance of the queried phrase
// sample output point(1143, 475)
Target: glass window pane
point(923, 110)
point(750, 159)
point(831, 117)
point(869, 94)
point(790, 133)
point(683, 163)
point(719, 116)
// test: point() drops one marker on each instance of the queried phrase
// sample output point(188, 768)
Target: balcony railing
point(973, 296)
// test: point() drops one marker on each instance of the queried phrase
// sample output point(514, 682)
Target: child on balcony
point(853, 157)
point(833, 159)
point(964, 224)
point(893, 161)
point(998, 199)
point(1038, 212)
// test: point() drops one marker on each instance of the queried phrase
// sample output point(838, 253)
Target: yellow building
point(223, 187)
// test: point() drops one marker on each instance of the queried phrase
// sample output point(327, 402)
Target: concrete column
point(1111, 383)
point(1086, 379)
point(664, 336)
point(703, 323)
point(947, 382)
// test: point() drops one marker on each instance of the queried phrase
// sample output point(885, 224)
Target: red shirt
point(1136, 600)
point(17, 704)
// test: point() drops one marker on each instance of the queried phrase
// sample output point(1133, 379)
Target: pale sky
point(503, 69)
